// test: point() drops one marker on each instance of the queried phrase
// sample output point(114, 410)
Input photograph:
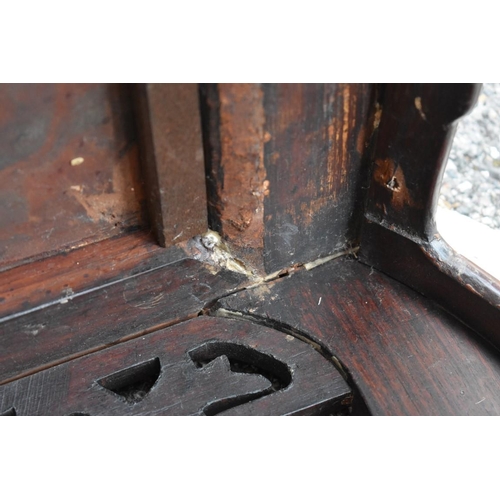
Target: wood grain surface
point(207, 366)
point(316, 139)
point(286, 165)
point(30, 285)
point(172, 154)
point(90, 320)
point(69, 168)
point(417, 126)
point(401, 350)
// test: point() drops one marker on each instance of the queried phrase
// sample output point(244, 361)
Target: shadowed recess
point(133, 383)
point(242, 359)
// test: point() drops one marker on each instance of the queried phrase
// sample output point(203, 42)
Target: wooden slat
point(172, 152)
point(233, 117)
point(405, 354)
point(316, 138)
point(25, 287)
point(286, 168)
point(205, 366)
point(88, 321)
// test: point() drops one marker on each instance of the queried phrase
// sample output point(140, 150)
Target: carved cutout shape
point(133, 383)
point(11, 412)
point(240, 359)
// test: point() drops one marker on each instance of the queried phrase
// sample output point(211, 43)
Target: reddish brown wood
point(436, 270)
point(405, 354)
point(25, 287)
point(400, 236)
point(417, 126)
point(286, 166)
point(173, 160)
point(48, 204)
point(93, 319)
point(205, 366)
point(234, 149)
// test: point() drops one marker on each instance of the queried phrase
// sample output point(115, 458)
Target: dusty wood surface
point(404, 353)
point(233, 118)
point(286, 166)
point(25, 287)
point(172, 153)
point(50, 199)
point(84, 322)
point(207, 366)
point(316, 138)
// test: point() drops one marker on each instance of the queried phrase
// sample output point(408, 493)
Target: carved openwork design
point(207, 366)
point(240, 359)
point(133, 383)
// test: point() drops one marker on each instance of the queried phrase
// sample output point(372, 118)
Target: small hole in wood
point(134, 383)
point(11, 412)
point(393, 184)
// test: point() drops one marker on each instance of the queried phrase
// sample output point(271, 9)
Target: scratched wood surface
point(30, 285)
point(404, 353)
point(93, 319)
point(46, 202)
point(286, 166)
point(172, 156)
point(207, 366)
point(314, 151)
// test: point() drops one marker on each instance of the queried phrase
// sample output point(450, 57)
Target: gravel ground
point(471, 182)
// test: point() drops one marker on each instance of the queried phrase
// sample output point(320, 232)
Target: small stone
point(488, 211)
point(464, 186)
point(450, 166)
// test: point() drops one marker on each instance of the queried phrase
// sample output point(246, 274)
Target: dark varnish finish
point(316, 137)
point(93, 319)
point(233, 119)
point(50, 199)
point(415, 134)
point(405, 354)
point(172, 153)
point(207, 366)
point(400, 237)
point(285, 167)
point(436, 270)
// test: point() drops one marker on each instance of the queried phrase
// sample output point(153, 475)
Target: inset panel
point(69, 170)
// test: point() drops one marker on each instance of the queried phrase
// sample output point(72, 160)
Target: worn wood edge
point(404, 188)
point(95, 265)
point(154, 127)
point(79, 354)
point(435, 270)
point(233, 140)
